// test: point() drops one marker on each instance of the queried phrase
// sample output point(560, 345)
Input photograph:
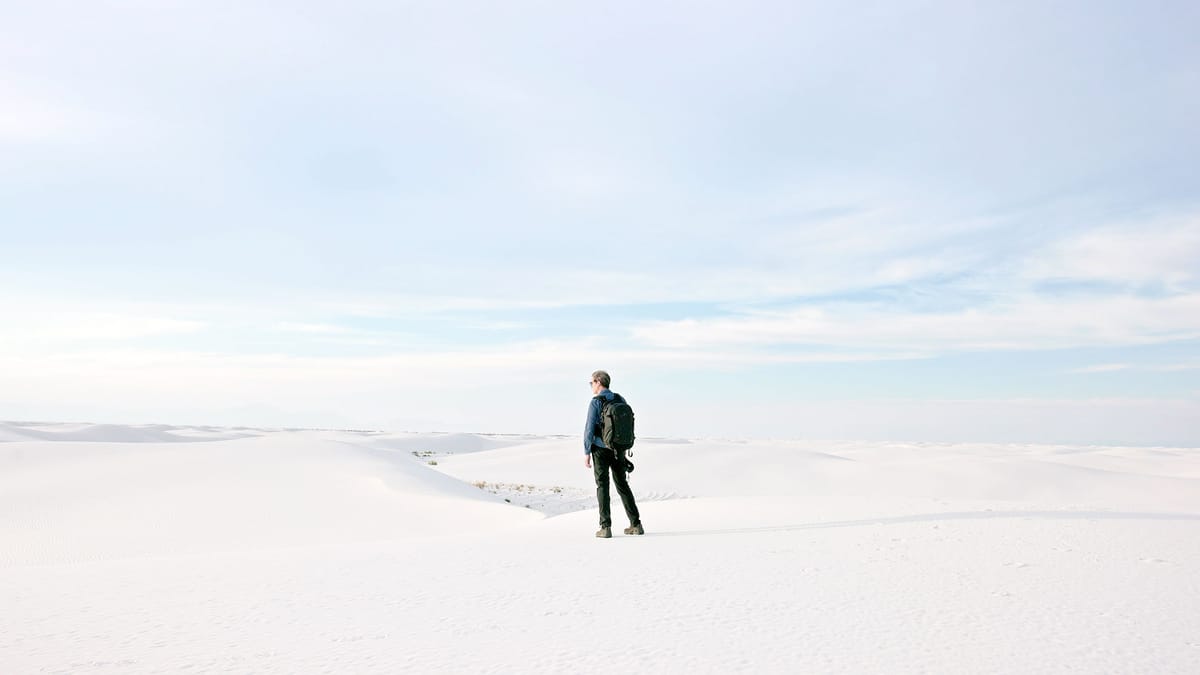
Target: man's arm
point(593, 419)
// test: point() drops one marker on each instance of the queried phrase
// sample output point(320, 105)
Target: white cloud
point(312, 328)
point(265, 375)
point(1175, 367)
point(1025, 323)
point(1161, 368)
point(947, 262)
point(1102, 368)
point(1161, 252)
point(468, 391)
point(41, 329)
point(29, 118)
point(1158, 421)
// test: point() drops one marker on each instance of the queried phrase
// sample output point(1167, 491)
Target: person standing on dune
point(609, 416)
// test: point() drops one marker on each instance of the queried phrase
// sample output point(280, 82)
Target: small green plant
point(432, 462)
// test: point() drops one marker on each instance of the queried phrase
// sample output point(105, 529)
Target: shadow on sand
point(938, 517)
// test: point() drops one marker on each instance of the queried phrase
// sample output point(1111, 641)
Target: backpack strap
point(604, 402)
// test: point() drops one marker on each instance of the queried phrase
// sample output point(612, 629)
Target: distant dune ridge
point(162, 548)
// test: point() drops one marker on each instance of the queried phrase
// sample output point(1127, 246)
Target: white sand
point(168, 549)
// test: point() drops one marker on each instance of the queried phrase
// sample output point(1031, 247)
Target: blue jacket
point(594, 426)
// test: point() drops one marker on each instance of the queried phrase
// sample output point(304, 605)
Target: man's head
point(600, 380)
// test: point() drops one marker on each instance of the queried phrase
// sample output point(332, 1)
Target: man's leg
point(601, 459)
point(631, 509)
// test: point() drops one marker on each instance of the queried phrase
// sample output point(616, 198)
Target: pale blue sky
point(922, 220)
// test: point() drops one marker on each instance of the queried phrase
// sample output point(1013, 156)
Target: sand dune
point(154, 548)
point(114, 433)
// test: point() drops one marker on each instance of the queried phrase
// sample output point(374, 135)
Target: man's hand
point(587, 461)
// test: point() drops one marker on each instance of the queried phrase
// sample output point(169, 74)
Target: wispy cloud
point(1022, 323)
point(1176, 367)
point(312, 328)
point(1101, 368)
point(26, 117)
point(1163, 253)
point(39, 328)
point(1143, 367)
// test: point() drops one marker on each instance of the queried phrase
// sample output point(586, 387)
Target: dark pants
point(603, 460)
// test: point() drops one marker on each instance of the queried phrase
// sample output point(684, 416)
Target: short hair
point(602, 377)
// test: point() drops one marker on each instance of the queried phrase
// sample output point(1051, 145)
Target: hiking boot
point(604, 533)
point(635, 529)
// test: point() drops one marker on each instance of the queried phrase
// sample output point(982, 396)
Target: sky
point(925, 221)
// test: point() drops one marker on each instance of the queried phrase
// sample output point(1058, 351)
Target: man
point(601, 459)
